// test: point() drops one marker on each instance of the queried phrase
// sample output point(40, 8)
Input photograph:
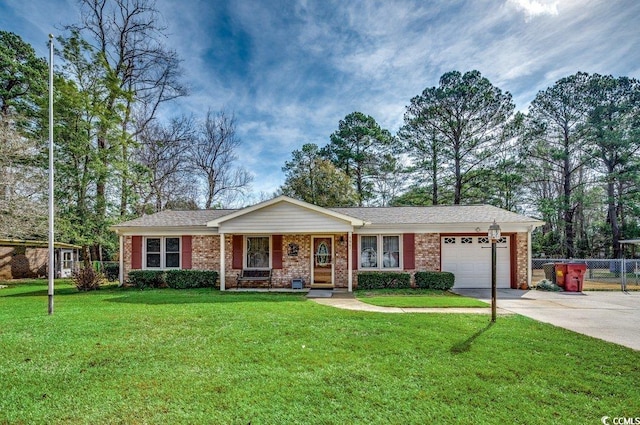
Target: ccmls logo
point(606, 420)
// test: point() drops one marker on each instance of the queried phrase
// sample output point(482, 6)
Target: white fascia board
point(282, 198)
point(479, 228)
point(164, 231)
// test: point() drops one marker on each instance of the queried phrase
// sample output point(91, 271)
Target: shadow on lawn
point(42, 293)
point(184, 296)
point(464, 346)
point(151, 297)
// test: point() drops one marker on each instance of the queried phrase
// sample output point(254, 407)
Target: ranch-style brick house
point(287, 239)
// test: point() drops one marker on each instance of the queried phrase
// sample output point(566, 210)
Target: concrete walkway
point(610, 316)
point(351, 303)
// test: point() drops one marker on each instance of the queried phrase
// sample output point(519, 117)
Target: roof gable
point(285, 215)
point(285, 200)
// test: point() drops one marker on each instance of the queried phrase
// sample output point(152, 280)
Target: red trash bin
point(574, 280)
point(561, 274)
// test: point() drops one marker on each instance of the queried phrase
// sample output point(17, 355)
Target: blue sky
point(290, 70)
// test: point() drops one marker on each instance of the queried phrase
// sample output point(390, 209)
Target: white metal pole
point(51, 215)
point(222, 265)
point(121, 265)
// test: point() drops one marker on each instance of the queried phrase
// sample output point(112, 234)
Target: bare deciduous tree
point(126, 38)
point(22, 185)
point(213, 156)
point(163, 152)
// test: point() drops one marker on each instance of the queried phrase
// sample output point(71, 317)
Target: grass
point(200, 356)
point(417, 298)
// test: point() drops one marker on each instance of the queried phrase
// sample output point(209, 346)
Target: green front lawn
point(200, 356)
point(417, 298)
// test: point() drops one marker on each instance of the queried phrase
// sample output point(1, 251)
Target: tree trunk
point(210, 192)
point(457, 191)
point(613, 219)
point(124, 181)
point(566, 200)
point(86, 256)
point(101, 179)
point(434, 173)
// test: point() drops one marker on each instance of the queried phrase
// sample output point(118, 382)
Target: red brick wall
point(127, 256)
point(205, 252)
point(206, 256)
point(29, 263)
point(427, 255)
point(6, 255)
point(522, 260)
point(294, 267)
point(428, 251)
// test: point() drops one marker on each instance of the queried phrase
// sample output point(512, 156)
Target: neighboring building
point(29, 259)
point(328, 247)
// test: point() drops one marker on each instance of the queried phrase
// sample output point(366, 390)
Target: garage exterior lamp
point(494, 236)
point(494, 232)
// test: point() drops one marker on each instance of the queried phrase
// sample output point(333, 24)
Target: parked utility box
point(561, 273)
point(297, 283)
point(574, 279)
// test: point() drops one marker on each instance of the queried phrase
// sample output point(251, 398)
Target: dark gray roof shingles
point(439, 214)
point(170, 218)
point(374, 215)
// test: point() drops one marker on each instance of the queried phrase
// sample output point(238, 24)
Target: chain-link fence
point(601, 273)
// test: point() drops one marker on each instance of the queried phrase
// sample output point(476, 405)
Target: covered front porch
point(292, 239)
point(309, 261)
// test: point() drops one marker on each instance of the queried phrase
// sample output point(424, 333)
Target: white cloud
point(290, 70)
point(533, 8)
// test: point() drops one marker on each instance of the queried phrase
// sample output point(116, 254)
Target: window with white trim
point(257, 254)
point(390, 252)
point(162, 253)
point(368, 252)
point(380, 252)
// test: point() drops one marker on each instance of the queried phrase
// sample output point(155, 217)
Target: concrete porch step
point(320, 293)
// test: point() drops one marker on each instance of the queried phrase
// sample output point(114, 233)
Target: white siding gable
point(284, 217)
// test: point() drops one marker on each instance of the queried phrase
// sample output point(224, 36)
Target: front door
point(67, 263)
point(322, 261)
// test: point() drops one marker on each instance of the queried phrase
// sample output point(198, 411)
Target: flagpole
point(51, 215)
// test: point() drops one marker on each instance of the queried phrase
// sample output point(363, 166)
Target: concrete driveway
point(610, 316)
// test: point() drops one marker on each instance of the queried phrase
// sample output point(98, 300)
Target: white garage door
point(469, 259)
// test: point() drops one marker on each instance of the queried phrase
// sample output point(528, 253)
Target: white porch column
point(121, 259)
point(350, 262)
point(529, 255)
point(222, 265)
